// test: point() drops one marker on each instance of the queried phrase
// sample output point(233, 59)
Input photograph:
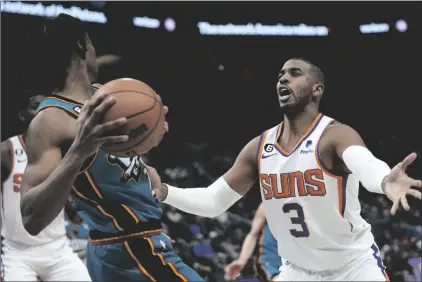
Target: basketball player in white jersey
point(309, 168)
point(48, 255)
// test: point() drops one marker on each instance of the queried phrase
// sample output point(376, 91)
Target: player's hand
point(233, 270)
point(159, 190)
point(91, 132)
point(398, 185)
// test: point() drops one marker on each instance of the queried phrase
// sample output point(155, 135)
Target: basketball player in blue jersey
point(309, 168)
point(261, 240)
point(112, 195)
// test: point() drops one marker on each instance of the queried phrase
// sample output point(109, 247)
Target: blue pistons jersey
point(269, 247)
point(112, 194)
point(268, 260)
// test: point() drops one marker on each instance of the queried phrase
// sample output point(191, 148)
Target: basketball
point(144, 111)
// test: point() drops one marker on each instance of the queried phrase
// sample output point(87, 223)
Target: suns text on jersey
point(292, 184)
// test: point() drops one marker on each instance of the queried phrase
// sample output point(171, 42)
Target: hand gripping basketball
point(91, 132)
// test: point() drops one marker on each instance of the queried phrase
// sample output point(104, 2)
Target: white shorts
point(367, 267)
point(54, 261)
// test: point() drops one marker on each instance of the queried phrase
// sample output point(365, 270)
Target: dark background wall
point(372, 81)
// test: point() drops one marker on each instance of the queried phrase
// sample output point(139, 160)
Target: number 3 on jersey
point(297, 220)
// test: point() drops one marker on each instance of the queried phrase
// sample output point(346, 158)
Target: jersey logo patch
point(267, 156)
point(132, 167)
point(308, 149)
point(268, 148)
point(308, 143)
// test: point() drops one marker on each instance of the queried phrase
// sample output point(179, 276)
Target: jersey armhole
point(260, 148)
point(318, 158)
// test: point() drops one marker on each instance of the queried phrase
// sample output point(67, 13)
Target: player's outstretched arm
point(374, 174)
point(219, 196)
point(49, 176)
point(248, 247)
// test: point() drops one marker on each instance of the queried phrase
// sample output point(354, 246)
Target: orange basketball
point(144, 111)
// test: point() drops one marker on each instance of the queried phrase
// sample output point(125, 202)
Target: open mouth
point(284, 93)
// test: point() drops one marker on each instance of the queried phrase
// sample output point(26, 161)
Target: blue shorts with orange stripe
point(138, 259)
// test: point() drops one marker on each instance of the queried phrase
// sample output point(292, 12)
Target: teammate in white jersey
point(309, 168)
point(24, 257)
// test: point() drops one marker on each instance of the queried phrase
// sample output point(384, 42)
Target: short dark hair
point(315, 70)
point(53, 43)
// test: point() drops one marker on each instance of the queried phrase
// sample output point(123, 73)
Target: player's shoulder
point(252, 148)
point(6, 152)
point(248, 152)
point(337, 133)
point(338, 129)
point(253, 144)
point(51, 124)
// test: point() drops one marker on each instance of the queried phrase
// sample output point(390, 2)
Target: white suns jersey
point(12, 228)
point(313, 214)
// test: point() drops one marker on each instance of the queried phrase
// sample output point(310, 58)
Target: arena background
point(221, 93)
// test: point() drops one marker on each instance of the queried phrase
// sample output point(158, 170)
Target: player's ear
point(318, 90)
point(82, 47)
point(21, 116)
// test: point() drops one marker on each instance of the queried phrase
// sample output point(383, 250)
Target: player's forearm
point(41, 204)
point(370, 171)
point(248, 248)
point(209, 202)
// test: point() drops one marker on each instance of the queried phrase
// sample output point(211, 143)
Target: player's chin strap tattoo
point(208, 202)
point(370, 171)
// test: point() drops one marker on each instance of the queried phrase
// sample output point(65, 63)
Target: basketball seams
point(131, 91)
point(141, 140)
point(156, 101)
point(144, 111)
point(151, 95)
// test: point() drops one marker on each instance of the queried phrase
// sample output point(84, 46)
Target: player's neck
point(294, 126)
point(77, 85)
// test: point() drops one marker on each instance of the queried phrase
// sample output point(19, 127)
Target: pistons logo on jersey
point(285, 185)
point(77, 109)
point(132, 167)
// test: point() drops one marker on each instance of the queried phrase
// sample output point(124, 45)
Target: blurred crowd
point(208, 245)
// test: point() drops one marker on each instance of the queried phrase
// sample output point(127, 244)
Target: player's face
point(29, 113)
point(294, 85)
point(91, 59)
